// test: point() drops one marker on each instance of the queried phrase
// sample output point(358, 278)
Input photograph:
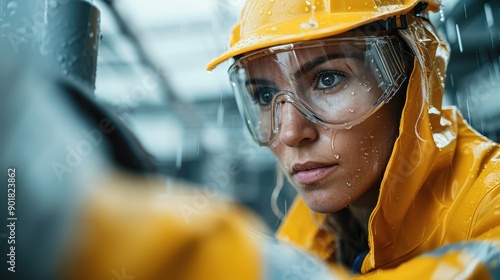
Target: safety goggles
point(336, 82)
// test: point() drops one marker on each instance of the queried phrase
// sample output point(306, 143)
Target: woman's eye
point(327, 79)
point(265, 96)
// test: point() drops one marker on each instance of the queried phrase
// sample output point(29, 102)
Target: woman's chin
point(324, 203)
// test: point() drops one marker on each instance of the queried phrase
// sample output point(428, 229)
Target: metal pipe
point(63, 33)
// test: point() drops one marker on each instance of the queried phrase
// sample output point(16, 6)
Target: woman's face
point(332, 169)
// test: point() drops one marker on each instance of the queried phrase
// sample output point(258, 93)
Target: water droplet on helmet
point(313, 23)
point(261, 12)
point(274, 29)
point(282, 3)
point(272, 1)
point(269, 13)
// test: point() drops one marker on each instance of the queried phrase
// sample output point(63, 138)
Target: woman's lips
point(311, 172)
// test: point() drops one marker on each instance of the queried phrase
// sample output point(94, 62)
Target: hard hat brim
point(296, 29)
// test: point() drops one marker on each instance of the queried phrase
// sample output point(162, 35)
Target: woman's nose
point(294, 128)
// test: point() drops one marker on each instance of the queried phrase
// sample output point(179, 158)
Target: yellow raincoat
point(438, 213)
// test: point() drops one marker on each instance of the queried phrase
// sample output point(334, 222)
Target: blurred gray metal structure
point(472, 28)
point(65, 33)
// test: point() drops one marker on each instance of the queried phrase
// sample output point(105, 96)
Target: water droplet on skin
point(396, 198)
point(351, 110)
point(353, 93)
point(349, 184)
point(358, 170)
point(349, 197)
point(366, 154)
point(372, 136)
point(336, 156)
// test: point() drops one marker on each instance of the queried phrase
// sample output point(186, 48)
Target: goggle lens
point(335, 82)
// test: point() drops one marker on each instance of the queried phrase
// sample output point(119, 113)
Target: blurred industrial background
point(151, 58)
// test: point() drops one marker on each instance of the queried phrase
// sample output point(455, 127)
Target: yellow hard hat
point(265, 23)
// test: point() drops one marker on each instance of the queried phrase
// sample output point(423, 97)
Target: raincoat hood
point(436, 158)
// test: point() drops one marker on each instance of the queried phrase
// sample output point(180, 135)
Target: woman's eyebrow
point(308, 66)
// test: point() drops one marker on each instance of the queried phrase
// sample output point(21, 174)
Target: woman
point(347, 95)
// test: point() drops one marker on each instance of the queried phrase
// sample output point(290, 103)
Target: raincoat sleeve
point(125, 230)
point(477, 257)
point(129, 228)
